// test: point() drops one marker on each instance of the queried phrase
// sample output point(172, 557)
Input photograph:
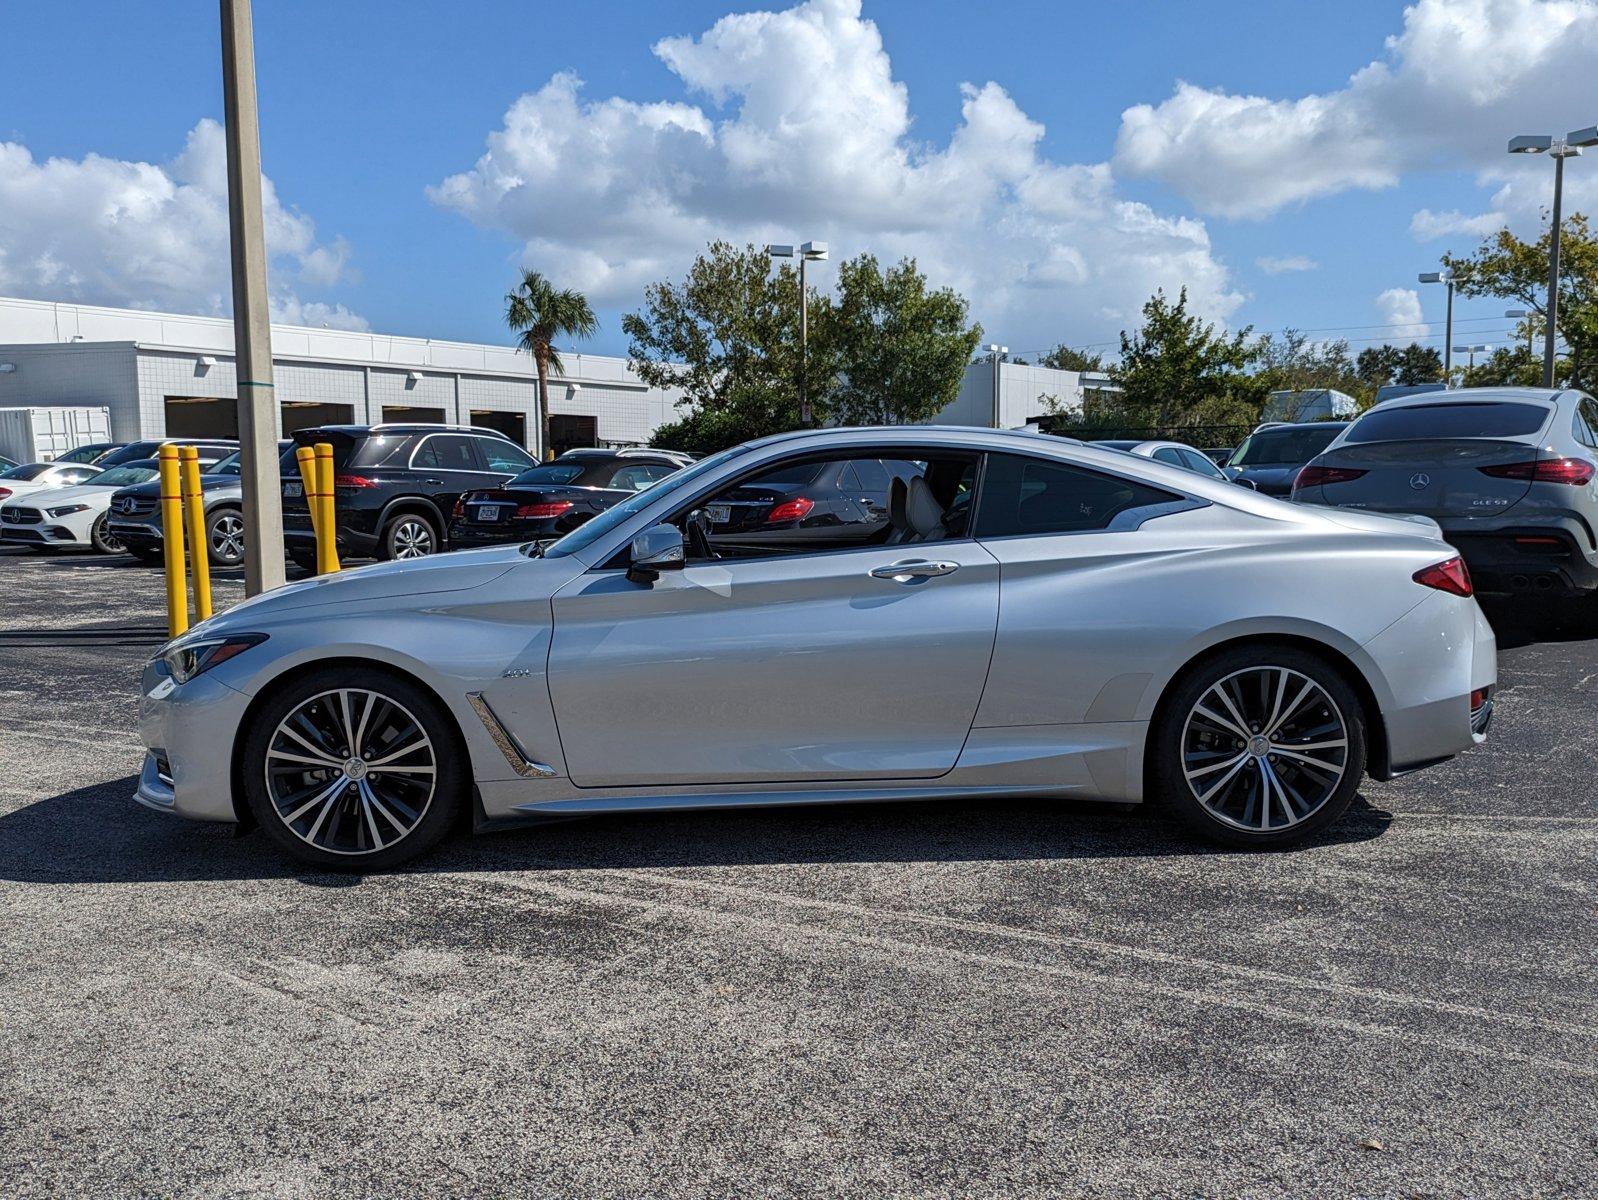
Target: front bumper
point(50, 534)
point(189, 731)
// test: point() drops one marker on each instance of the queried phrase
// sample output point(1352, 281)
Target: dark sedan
point(553, 498)
point(1271, 456)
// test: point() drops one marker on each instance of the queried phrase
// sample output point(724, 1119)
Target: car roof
point(1496, 395)
point(403, 427)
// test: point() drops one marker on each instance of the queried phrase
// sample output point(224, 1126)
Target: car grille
point(12, 515)
point(132, 506)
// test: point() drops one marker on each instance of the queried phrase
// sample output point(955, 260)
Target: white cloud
point(107, 231)
point(1426, 225)
point(1400, 309)
point(804, 133)
point(1448, 92)
point(1272, 265)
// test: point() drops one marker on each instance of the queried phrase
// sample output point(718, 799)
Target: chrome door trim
point(903, 572)
point(526, 767)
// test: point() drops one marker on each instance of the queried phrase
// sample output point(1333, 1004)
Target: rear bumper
point(1552, 558)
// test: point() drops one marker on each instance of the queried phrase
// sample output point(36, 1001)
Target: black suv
point(553, 498)
point(396, 485)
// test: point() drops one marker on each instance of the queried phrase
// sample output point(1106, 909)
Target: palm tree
point(539, 313)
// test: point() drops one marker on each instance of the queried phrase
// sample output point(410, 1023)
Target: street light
point(1473, 351)
point(998, 353)
point(1523, 314)
point(1568, 146)
point(1445, 276)
point(809, 252)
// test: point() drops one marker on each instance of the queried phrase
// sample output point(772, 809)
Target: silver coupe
point(975, 615)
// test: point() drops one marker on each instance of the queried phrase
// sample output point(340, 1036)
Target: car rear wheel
point(409, 536)
point(100, 537)
point(356, 769)
point(1260, 746)
point(224, 534)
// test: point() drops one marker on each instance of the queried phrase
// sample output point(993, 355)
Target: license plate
point(488, 512)
point(719, 514)
point(293, 490)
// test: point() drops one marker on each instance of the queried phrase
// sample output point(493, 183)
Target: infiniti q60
point(983, 615)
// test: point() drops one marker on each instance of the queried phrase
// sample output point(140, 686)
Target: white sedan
point(38, 476)
point(47, 517)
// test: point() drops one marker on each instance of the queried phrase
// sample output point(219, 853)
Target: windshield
point(128, 453)
point(126, 476)
point(1425, 422)
point(1285, 447)
point(549, 473)
point(586, 534)
point(228, 466)
point(26, 471)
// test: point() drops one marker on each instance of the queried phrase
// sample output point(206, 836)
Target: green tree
point(1378, 366)
point(1178, 371)
point(1067, 358)
point(1506, 366)
point(539, 312)
point(894, 351)
point(1291, 361)
point(1509, 268)
point(728, 337)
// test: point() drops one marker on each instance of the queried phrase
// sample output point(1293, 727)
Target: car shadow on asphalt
point(98, 834)
point(1523, 620)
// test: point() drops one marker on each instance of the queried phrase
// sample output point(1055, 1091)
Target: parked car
point(1043, 632)
point(19, 480)
point(1219, 455)
point(1271, 456)
point(553, 498)
point(7, 463)
point(135, 515)
point(397, 485)
point(71, 515)
point(1177, 454)
point(1508, 473)
point(211, 450)
point(93, 452)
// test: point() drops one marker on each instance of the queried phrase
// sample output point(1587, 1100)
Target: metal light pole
point(252, 330)
point(809, 252)
point(1472, 351)
point(1448, 328)
point(1523, 314)
point(998, 353)
point(1568, 146)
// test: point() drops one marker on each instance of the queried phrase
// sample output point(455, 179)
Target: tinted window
point(550, 473)
point(455, 453)
point(1587, 420)
point(128, 474)
point(129, 453)
point(1200, 464)
point(1425, 422)
point(1033, 495)
point(796, 475)
point(503, 456)
point(635, 477)
point(26, 471)
point(383, 450)
point(1284, 447)
point(1166, 454)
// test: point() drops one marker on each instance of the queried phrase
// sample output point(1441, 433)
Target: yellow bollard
point(199, 544)
point(306, 458)
point(327, 536)
point(177, 605)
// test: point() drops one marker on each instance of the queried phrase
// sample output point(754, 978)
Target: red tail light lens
point(4, 492)
point(459, 510)
point(1320, 476)
point(1477, 699)
point(542, 512)
point(790, 510)
point(1451, 576)
point(1577, 472)
point(354, 481)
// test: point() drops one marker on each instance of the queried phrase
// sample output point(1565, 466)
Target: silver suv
point(1508, 473)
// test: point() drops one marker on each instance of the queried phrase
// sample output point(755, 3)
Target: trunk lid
point(1433, 477)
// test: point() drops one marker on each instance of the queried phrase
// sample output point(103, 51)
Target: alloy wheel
point(412, 539)
point(227, 538)
point(1264, 748)
point(350, 771)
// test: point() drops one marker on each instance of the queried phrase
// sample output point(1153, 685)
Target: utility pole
point(1447, 277)
point(809, 252)
point(998, 353)
point(1561, 151)
point(252, 329)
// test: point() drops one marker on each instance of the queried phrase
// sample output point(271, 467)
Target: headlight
point(67, 510)
point(185, 660)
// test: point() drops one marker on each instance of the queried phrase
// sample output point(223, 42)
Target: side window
point(1038, 496)
point(1588, 412)
point(501, 455)
point(455, 453)
point(1168, 454)
point(1201, 464)
point(635, 477)
point(426, 456)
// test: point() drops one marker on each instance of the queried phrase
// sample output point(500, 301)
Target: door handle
point(903, 572)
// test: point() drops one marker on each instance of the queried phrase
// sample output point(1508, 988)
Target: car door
point(449, 467)
point(800, 663)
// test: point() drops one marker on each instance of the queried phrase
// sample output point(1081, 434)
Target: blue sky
point(368, 109)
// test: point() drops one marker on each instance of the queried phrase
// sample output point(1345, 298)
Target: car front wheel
point(356, 769)
point(224, 532)
point(1260, 746)
point(100, 537)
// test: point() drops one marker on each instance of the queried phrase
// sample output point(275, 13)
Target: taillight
point(1477, 699)
point(4, 492)
point(1577, 472)
point(354, 481)
point(541, 512)
point(1451, 576)
point(459, 510)
point(790, 510)
point(1320, 476)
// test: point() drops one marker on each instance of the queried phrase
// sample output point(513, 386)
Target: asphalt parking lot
point(908, 1000)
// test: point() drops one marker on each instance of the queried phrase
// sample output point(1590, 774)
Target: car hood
point(78, 493)
point(437, 574)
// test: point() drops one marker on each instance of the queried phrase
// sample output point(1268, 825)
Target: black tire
point(305, 562)
point(224, 537)
point(101, 539)
point(1267, 794)
point(341, 838)
point(408, 535)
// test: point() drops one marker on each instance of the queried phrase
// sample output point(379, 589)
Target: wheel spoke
point(329, 764)
point(1242, 722)
point(1215, 719)
point(326, 796)
point(321, 754)
point(1287, 713)
point(1217, 766)
point(401, 753)
point(1224, 780)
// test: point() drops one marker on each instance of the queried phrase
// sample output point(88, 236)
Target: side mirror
point(656, 549)
point(1248, 483)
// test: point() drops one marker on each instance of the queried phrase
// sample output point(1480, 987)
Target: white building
point(1024, 393)
point(166, 375)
